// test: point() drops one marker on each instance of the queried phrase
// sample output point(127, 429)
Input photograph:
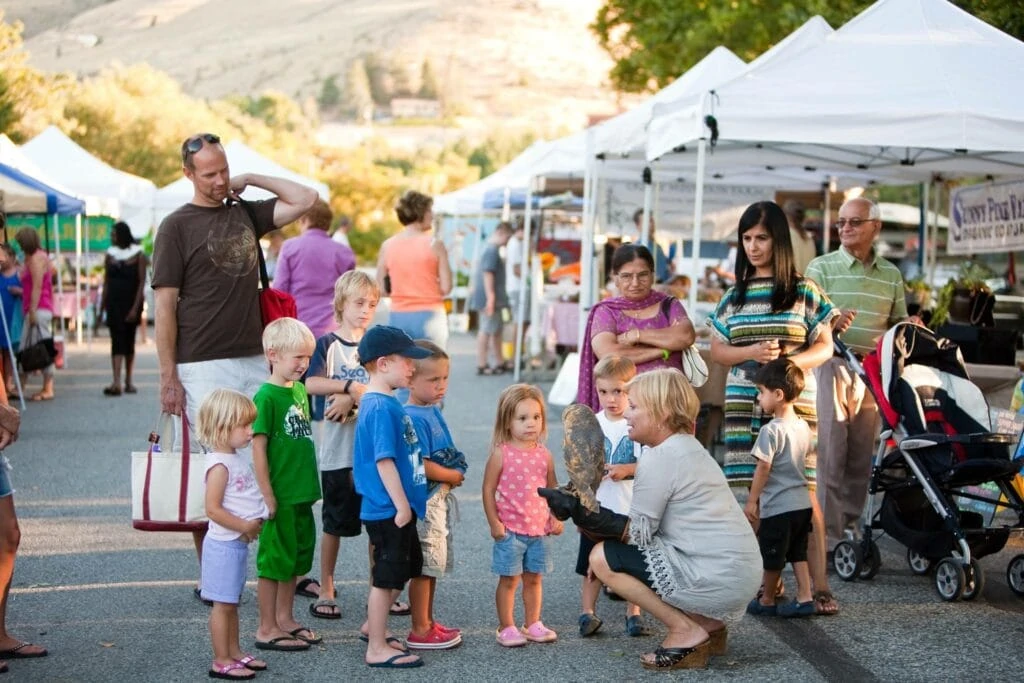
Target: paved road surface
point(114, 604)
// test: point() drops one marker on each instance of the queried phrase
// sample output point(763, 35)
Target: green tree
point(428, 81)
point(378, 73)
point(9, 115)
point(330, 93)
point(653, 42)
point(31, 99)
point(358, 95)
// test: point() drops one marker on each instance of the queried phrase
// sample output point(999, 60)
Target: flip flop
point(312, 639)
point(399, 609)
point(249, 662)
point(42, 397)
point(224, 672)
point(392, 664)
point(316, 609)
point(275, 644)
point(394, 642)
point(302, 588)
point(17, 652)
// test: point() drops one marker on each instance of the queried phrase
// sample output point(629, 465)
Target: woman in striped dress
point(771, 311)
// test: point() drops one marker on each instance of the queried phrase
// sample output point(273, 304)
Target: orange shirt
point(413, 268)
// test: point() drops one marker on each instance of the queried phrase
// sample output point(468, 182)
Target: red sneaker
point(444, 629)
point(435, 639)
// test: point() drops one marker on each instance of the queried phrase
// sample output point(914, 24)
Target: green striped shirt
point(875, 292)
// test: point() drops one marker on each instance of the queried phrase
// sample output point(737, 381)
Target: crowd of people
point(350, 414)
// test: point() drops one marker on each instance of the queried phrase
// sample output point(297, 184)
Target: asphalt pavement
point(115, 604)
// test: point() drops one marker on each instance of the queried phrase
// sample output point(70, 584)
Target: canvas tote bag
point(168, 488)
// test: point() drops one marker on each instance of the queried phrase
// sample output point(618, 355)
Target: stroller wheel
point(919, 564)
point(872, 560)
point(950, 579)
point(975, 576)
point(1015, 575)
point(847, 560)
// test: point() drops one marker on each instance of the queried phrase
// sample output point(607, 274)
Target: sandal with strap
point(225, 672)
point(825, 603)
point(672, 658)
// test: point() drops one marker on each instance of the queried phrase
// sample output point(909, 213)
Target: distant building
point(415, 108)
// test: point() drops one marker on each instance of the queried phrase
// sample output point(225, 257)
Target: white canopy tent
point(241, 159)
point(106, 190)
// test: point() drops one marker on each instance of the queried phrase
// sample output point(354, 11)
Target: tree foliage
point(653, 42)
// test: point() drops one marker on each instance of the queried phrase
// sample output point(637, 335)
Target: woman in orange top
point(413, 269)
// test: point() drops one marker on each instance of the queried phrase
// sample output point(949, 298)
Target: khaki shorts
point(435, 532)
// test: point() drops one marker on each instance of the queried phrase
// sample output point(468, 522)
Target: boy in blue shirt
point(389, 475)
point(445, 467)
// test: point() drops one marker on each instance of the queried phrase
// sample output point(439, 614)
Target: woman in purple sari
point(647, 327)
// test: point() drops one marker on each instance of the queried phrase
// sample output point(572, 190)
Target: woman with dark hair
point(641, 324)
point(771, 311)
point(37, 301)
point(124, 281)
point(413, 269)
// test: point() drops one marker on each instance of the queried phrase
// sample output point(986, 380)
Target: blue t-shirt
point(436, 441)
point(384, 431)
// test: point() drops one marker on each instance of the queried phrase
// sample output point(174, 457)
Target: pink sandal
point(510, 637)
point(224, 672)
point(537, 632)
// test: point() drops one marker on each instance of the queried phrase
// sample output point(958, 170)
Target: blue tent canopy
point(56, 201)
point(495, 199)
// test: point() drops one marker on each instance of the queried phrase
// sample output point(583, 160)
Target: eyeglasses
point(853, 222)
point(635, 277)
point(195, 143)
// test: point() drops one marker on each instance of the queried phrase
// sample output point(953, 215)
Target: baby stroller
point(936, 456)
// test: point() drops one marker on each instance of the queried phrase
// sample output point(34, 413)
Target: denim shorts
point(6, 488)
point(223, 569)
point(517, 553)
point(431, 324)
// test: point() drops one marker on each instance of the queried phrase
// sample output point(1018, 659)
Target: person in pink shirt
point(309, 265)
point(519, 519)
point(37, 300)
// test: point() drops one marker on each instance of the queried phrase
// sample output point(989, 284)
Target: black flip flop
point(391, 640)
point(302, 588)
point(313, 638)
point(391, 664)
point(397, 609)
point(275, 644)
point(16, 652)
point(314, 609)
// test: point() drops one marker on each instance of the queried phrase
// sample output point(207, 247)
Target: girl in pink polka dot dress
point(519, 519)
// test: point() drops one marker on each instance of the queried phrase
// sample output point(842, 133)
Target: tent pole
point(826, 218)
point(60, 278)
point(922, 226)
point(88, 288)
point(698, 217)
point(506, 204)
point(645, 220)
point(933, 249)
point(14, 360)
point(78, 279)
point(527, 275)
point(587, 251)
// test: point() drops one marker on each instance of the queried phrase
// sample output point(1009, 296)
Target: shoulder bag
point(274, 303)
point(39, 351)
point(693, 366)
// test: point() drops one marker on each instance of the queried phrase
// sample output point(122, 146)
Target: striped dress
point(794, 329)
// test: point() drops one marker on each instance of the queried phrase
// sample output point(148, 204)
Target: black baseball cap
point(384, 340)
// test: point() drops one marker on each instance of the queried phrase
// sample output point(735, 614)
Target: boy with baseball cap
point(389, 474)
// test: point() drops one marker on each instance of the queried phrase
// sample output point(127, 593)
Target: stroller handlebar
point(931, 439)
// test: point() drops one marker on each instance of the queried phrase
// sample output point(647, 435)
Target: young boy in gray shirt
point(779, 504)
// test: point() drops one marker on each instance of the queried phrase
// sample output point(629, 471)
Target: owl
point(583, 450)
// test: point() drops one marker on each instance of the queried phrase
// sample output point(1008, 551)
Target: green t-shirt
point(282, 414)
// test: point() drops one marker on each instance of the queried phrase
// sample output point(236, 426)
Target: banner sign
point(986, 218)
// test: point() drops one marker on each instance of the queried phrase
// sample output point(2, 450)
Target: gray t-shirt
point(490, 261)
point(785, 444)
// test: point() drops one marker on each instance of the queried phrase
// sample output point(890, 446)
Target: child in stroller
point(935, 449)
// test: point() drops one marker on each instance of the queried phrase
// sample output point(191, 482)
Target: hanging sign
point(986, 218)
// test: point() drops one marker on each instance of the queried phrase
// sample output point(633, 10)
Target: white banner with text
point(986, 218)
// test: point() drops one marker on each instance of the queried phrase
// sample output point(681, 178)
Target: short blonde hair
point(615, 367)
point(220, 412)
point(511, 397)
point(668, 397)
point(349, 286)
point(287, 334)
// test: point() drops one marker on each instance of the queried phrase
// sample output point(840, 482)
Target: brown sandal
point(825, 603)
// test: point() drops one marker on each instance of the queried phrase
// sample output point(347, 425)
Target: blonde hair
point(668, 397)
point(287, 334)
point(509, 399)
point(220, 412)
point(436, 353)
point(349, 286)
point(615, 367)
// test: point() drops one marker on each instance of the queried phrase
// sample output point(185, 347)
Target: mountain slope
point(528, 61)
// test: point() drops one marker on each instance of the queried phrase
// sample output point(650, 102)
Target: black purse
point(39, 352)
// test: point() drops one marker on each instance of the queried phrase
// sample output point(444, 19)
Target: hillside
point(522, 63)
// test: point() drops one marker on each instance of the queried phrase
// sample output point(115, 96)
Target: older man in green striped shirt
point(869, 292)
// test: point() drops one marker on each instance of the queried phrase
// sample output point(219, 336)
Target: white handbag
point(694, 367)
point(168, 489)
point(563, 391)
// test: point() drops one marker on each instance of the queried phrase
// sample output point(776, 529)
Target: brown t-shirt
point(209, 254)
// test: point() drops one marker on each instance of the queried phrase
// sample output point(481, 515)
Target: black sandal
point(112, 391)
point(487, 370)
point(671, 658)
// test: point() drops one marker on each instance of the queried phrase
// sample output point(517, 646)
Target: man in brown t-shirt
point(208, 327)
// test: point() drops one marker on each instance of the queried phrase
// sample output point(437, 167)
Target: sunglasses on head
point(195, 143)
